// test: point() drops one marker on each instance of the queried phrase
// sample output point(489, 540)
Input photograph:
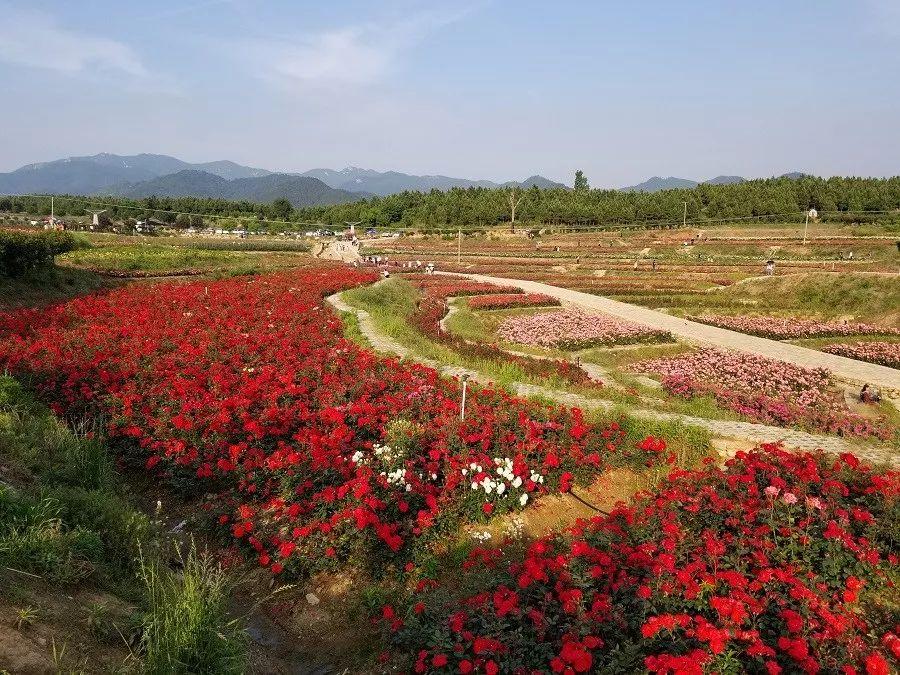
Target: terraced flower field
point(764, 389)
point(572, 330)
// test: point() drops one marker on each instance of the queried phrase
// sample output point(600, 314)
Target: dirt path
point(744, 431)
point(691, 331)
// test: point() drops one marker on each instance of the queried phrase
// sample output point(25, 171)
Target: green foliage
point(186, 628)
point(581, 181)
point(21, 252)
point(70, 520)
point(837, 200)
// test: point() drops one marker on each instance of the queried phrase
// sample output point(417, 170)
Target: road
point(691, 331)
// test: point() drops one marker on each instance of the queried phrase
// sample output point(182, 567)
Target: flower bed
point(787, 328)
point(883, 353)
point(507, 301)
point(573, 329)
point(763, 389)
point(462, 288)
point(775, 563)
point(313, 452)
point(427, 320)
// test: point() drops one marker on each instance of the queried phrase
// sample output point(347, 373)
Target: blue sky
point(477, 88)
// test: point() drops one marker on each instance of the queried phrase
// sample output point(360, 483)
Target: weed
point(25, 617)
point(186, 628)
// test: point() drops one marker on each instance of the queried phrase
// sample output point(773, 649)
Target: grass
point(865, 296)
point(186, 627)
point(150, 258)
point(67, 519)
point(49, 285)
point(391, 303)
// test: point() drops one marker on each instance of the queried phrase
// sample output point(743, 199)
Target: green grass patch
point(151, 258)
point(49, 284)
point(186, 627)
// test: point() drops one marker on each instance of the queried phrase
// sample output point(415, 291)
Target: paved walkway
point(691, 331)
point(748, 431)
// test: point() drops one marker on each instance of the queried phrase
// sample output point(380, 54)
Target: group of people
point(382, 261)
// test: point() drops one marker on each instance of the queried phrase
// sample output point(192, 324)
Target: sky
point(487, 89)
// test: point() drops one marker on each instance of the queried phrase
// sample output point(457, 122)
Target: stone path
point(748, 431)
point(841, 366)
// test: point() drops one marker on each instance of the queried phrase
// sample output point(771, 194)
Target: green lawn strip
point(67, 518)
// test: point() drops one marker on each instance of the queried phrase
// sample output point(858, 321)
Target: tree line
point(781, 199)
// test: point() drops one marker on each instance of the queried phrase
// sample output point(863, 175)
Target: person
point(869, 394)
point(385, 274)
point(770, 267)
point(653, 264)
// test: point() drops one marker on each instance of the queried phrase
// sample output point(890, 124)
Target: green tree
point(281, 209)
point(581, 181)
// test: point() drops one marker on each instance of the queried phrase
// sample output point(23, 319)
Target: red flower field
point(316, 451)
point(774, 563)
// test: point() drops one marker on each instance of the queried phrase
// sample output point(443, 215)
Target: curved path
point(748, 431)
point(691, 331)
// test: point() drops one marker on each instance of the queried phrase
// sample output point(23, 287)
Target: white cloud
point(351, 55)
point(35, 39)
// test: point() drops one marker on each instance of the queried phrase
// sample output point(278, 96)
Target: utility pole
point(805, 228)
point(459, 246)
point(684, 217)
point(52, 216)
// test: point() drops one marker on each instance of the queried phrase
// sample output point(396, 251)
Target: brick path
point(691, 331)
point(749, 431)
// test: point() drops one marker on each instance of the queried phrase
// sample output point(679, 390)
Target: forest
point(776, 199)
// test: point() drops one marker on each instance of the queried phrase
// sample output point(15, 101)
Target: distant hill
point(725, 180)
point(97, 173)
point(384, 183)
point(794, 175)
point(299, 190)
point(657, 183)
point(540, 181)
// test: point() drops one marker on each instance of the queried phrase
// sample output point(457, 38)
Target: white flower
point(523, 500)
point(474, 485)
point(517, 482)
point(501, 488)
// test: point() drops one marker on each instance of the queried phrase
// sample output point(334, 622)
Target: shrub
point(776, 562)
point(21, 252)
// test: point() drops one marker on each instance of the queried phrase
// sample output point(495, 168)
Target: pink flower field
point(766, 390)
point(574, 329)
point(883, 353)
point(788, 328)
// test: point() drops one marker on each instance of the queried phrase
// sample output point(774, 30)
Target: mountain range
point(657, 183)
point(164, 176)
point(384, 183)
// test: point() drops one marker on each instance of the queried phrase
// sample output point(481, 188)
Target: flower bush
point(507, 301)
point(311, 452)
point(432, 308)
point(786, 328)
point(774, 563)
point(763, 389)
point(573, 329)
point(884, 353)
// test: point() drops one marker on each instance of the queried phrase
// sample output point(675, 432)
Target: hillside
point(97, 173)
point(657, 183)
point(386, 183)
point(299, 190)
